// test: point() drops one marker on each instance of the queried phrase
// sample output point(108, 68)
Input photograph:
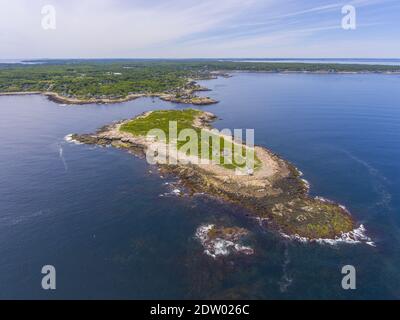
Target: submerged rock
point(222, 241)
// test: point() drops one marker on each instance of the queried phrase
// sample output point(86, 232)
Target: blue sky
point(201, 29)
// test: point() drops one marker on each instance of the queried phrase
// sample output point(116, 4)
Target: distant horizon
point(200, 58)
point(343, 61)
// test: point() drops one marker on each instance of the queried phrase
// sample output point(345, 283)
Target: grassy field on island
point(217, 148)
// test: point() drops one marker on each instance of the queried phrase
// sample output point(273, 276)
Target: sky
point(198, 29)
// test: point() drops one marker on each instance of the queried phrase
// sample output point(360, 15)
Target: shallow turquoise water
point(96, 213)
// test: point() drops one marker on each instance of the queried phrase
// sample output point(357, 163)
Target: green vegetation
point(321, 219)
point(110, 80)
point(160, 120)
point(185, 118)
point(117, 78)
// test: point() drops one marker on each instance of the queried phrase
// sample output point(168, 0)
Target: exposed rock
point(222, 241)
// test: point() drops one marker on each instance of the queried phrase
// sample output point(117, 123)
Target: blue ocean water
point(96, 213)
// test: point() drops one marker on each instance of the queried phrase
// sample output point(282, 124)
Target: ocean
point(112, 228)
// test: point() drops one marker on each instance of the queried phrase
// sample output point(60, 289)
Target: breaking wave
point(68, 138)
point(355, 236)
point(61, 155)
point(286, 280)
point(219, 247)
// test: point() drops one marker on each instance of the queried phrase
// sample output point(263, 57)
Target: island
point(273, 193)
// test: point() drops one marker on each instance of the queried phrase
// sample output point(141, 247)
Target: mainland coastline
point(183, 95)
point(100, 84)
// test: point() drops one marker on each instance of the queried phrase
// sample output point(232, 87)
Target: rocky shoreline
point(184, 95)
point(275, 195)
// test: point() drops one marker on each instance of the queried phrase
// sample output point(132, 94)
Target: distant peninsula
point(114, 81)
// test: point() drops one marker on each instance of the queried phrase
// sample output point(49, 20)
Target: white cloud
point(188, 28)
point(96, 28)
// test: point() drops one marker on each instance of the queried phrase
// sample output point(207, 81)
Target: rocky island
point(274, 193)
point(222, 241)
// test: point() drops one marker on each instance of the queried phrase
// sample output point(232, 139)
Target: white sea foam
point(355, 236)
point(306, 183)
point(176, 191)
point(219, 247)
point(323, 199)
point(68, 138)
point(61, 155)
point(286, 280)
point(173, 192)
